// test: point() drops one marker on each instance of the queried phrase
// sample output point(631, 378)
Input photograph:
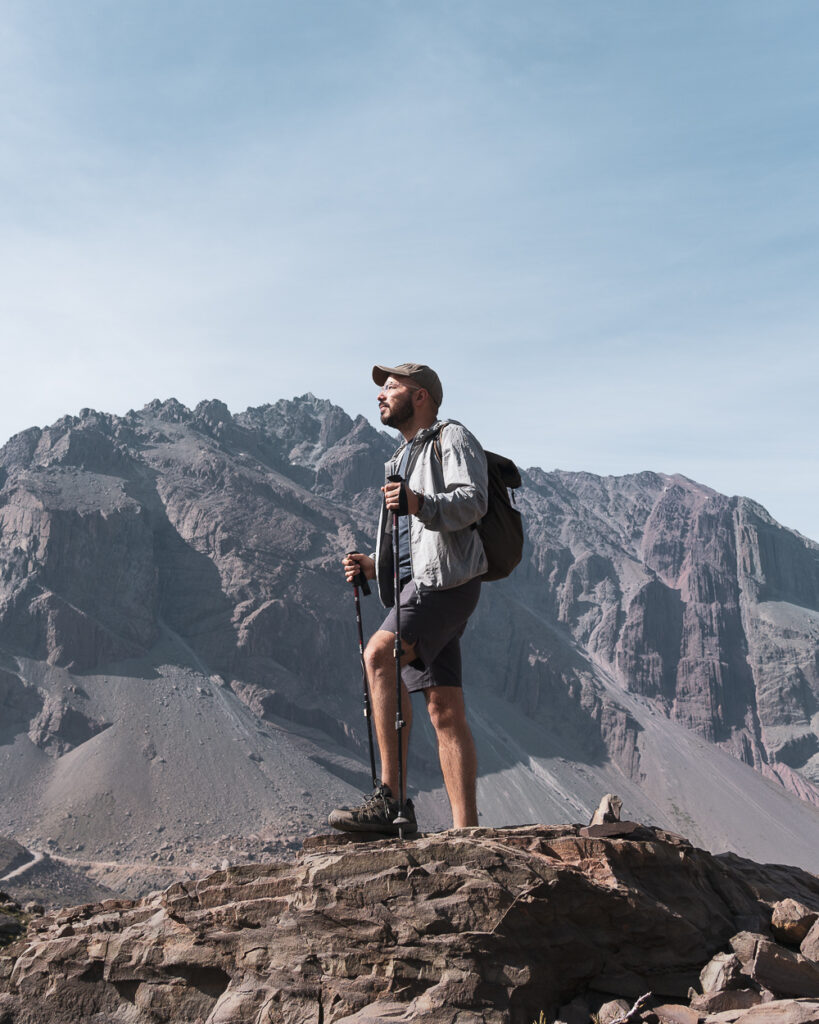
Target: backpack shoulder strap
point(436, 441)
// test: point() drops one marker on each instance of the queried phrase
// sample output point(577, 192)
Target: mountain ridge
point(173, 560)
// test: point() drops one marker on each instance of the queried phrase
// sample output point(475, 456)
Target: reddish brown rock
point(791, 921)
point(726, 999)
point(612, 1010)
point(675, 1013)
point(782, 1011)
point(478, 924)
point(810, 944)
point(724, 971)
point(775, 882)
point(776, 968)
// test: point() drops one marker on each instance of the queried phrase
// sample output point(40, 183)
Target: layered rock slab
point(467, 925)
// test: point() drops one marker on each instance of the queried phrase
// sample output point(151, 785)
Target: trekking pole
point(400, 819)
point(361, 581)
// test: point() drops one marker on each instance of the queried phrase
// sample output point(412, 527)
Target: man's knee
point(445, 705)
point(379, 654)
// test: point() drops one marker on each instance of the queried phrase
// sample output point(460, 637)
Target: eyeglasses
point(397, 387)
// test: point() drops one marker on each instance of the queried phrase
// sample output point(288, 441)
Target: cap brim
point(380, 374)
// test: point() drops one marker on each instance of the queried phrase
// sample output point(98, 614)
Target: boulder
point(780, 1011)
point(791, 921)
point(770, 965)
point(675, 1013)
point(611, 1010)
point(724, 971)
point(810, 944)
point(726, 999)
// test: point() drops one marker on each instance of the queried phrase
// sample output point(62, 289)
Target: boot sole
point(372, 828)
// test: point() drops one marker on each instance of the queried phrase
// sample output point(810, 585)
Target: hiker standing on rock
point(441, 560)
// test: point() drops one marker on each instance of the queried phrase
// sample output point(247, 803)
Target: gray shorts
point(433, 623)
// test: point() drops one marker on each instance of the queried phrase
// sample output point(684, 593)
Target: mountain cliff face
point(175, 630)
point(701, 603)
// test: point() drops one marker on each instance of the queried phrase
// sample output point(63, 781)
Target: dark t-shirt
point(404, 563)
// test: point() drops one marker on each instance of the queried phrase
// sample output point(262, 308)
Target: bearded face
point(395, 407)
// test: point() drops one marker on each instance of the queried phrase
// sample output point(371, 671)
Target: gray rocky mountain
point(178, 669)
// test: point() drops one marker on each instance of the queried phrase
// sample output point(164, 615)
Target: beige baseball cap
point(421, 375)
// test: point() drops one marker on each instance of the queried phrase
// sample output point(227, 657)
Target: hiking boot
point(376, 814)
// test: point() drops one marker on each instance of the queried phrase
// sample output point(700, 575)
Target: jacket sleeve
point(463, 498)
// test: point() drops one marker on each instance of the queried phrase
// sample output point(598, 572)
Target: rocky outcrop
point(59, 726)
point(19, 705)
point(471, 925)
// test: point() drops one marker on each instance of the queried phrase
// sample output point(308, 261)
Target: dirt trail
point(37, 858)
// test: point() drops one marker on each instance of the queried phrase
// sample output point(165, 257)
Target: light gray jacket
point(445, 549)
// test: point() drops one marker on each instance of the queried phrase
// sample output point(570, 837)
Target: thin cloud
point(599, 224)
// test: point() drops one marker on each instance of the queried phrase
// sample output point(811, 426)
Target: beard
point(401, 412)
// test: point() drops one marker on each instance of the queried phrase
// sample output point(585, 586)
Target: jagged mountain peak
point(307, 421)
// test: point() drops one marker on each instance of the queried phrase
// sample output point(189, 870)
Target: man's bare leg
point(380, 661)
point(456, 752)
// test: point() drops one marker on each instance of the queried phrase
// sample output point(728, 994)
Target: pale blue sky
point(598, 221)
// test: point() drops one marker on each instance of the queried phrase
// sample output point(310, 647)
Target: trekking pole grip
point(361, 580)
point(403, 501)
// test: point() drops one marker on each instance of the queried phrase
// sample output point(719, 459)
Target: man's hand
point(392, 496)
point(355, 563)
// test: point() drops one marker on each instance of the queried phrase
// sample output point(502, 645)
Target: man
point(441, 560)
